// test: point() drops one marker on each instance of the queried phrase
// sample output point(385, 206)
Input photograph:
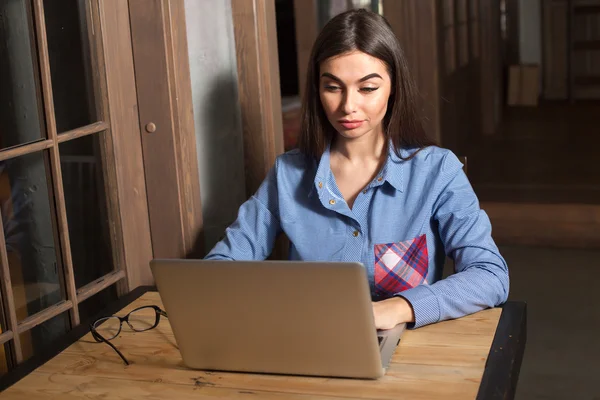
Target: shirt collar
point(391, 171)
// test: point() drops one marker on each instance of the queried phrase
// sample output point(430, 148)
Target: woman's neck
point(367, 148)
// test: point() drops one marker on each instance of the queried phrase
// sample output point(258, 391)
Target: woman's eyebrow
point(364, 78)
point(331, 76)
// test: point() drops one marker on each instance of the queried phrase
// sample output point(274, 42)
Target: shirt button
point(320, 185)
point(355, 233)
point(332, 202)
point(380, 179)
point(365, 191)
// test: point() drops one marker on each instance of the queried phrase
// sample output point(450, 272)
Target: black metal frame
point(503, 363)
point(499, 380)
point(101, 339)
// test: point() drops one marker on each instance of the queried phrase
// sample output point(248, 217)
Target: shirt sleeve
point(253, 233)
point(481, 279)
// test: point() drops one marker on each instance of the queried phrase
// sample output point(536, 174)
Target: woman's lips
point(351, 124)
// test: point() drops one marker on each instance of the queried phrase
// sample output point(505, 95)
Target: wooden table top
point(446, 360)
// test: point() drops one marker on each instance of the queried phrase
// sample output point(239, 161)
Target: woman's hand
point(391, 312)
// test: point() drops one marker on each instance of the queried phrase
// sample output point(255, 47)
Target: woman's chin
point(353, 133)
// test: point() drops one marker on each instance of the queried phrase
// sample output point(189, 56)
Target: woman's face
point(354, 89)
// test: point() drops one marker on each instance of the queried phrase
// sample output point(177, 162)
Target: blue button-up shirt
point(427, 197)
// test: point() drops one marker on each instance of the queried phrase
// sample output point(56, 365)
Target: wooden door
point(166, 123)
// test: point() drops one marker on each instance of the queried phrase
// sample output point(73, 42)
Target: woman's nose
point(349, 103)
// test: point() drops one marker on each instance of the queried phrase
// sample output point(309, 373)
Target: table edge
point(503, 364)
point(71, 337)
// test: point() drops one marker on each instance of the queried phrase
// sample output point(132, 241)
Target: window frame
point(123, 150)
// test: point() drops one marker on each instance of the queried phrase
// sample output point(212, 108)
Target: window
point(60, 246)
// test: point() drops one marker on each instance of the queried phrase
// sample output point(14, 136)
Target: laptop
point(277, 317)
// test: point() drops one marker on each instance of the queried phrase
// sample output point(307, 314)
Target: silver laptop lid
point(307, 318)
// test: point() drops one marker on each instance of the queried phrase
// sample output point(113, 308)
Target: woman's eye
point(369, 89)
point(331, 88)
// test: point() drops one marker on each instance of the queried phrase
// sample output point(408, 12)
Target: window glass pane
point(30, 232)
point(87, 208)
point(98, 302)
point(43, 335)
point(20, 98)
point(70, 52)
point(4, 356)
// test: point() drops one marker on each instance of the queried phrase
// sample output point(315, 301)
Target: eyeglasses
point(139, 320)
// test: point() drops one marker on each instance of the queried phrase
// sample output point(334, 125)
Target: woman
point(367, 185)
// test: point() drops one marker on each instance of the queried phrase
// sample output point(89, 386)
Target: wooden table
point(478, 356)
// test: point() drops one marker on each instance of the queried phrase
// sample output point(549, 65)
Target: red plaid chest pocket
point(401, 265)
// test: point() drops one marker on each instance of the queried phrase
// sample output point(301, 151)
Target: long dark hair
point(370, 33)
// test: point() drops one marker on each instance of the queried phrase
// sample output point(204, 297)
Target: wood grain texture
point(96, 127)
point(258, 74)
point(107, 153)
point(5, 337)
point(165, 99)
point(125, 133)
point(491, 67)
point(305, 18)
point(44, 315)
point(259, 93)
point(153, 92)
point(184, 128)
point(460, 92)
point(99, 284)
point(25, 149)
point(414, 22)
point(444, 360)
point(67, 273)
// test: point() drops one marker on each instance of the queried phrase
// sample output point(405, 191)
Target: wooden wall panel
point(258, 73)
point(459, 77)
point(555, 49)
point(260, 98)
point(131, 186)
point(492, 88)
point(184, 128)
point(166, 122)
point(305, 15)
point(415, 24)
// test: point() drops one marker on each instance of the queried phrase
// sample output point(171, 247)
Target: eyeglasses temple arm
point(97, 335)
